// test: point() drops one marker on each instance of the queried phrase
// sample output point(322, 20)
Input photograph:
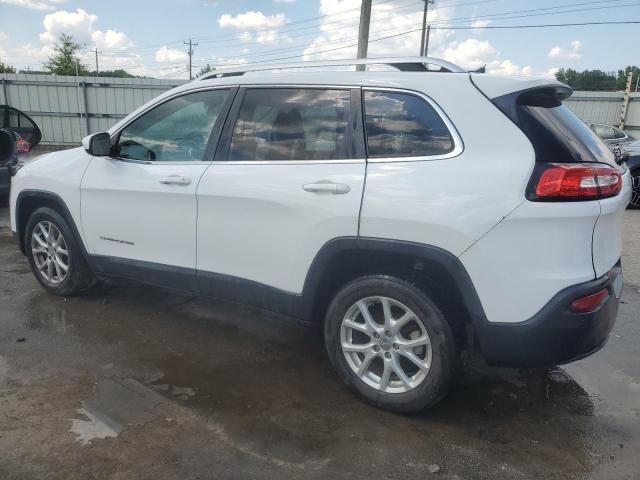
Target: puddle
point(114, 406)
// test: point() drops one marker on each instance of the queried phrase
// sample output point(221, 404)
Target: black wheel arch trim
point(64, 211)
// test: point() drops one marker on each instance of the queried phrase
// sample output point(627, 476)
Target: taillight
point(569, 181)
point(589, 303)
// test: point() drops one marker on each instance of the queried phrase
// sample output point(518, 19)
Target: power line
point(624, 22)
point(403, 31)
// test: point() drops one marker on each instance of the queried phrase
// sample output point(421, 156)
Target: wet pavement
point(133, 382)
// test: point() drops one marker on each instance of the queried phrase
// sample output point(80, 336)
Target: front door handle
point(319, 187)
point(176, 180)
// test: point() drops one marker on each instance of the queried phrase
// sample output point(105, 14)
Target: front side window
point(403, 125)
point(291, 124)
point(177, 130)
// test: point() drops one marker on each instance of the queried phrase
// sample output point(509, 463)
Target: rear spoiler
point(548, 96)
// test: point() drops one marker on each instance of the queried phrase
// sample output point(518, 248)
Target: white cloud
point(81, 26)
point(3, 37)
point(78, 24)
point(284, 1)
point(170, 55)
point(110, 39)
point(570, 52)
point(252, 20)
point(385, 20)
point(42, 5)
point(480, 25)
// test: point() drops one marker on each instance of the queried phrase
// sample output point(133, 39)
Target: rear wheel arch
point(433, 270)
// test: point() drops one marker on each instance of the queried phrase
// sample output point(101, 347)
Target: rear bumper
point(555, 335)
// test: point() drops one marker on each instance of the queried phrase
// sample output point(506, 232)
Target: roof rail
point(404, 64)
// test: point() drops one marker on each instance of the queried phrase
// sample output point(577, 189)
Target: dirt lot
point(131, 382)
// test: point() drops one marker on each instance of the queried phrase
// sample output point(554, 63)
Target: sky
point(147, 37)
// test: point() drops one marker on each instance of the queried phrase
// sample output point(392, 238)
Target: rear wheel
point(390, 343)
point(635, 195)
point(54, 254)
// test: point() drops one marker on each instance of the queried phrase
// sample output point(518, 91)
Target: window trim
point(214, 137)
point(355, 130)
point(458, 145)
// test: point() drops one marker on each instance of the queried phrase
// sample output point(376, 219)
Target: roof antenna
point(482, 69)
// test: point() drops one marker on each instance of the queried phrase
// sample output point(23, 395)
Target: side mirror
point(8, 147)
point(98, 144)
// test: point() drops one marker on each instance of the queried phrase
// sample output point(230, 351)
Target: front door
point(140, 203)
point(288, 178)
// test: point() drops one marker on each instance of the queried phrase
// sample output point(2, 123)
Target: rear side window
point(559, 136)
point(556, 133)
point(291, 124)
point(403, 125)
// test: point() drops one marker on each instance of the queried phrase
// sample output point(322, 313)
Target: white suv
point(417, 213)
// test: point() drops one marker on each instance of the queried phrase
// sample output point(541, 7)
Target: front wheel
point(390, 343)
point(54, 254)
point(635, 194)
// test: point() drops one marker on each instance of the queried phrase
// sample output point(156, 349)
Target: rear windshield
point(559, 136)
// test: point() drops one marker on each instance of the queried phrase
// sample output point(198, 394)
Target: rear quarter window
point(403, 125)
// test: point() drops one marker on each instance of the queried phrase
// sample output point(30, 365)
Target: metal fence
point(68, 108)
point(605, 107)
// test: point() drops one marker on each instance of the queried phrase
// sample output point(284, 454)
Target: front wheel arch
point(29, 201)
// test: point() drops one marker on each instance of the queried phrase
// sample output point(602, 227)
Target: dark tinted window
point(403, 125)
point(617, 133)
point(558, 135)
point(291, 124)
point(177, 130)
point(17, 120)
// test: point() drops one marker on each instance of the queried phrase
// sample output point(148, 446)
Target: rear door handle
point(318, 187)
point(176, 180)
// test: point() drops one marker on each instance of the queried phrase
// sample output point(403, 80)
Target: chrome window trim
point(182, 93)
point(458, 144)
point(290, 162)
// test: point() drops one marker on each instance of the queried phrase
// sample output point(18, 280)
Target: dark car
point(612, 136)
point(26, 135)
point(632, 155)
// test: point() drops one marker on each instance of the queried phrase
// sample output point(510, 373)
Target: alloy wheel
point(50, 252)
point(386, 344)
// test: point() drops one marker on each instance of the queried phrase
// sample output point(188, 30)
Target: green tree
point(621, 81)
point(4, 68)
point(204, 70)
point(596, 79)
point(65, 59)
point(119, 73)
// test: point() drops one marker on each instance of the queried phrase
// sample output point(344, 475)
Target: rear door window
point(291, 124)
point(403, 125)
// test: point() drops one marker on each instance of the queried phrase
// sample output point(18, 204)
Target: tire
point(635, 196)
point(427, 386)
point(78, 276)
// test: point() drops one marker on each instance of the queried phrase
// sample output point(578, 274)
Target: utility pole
point(190, 53)
point(97, 67)
point(424, 41)
point(363, 32)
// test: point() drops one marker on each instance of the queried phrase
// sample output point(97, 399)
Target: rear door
point(288, 178)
